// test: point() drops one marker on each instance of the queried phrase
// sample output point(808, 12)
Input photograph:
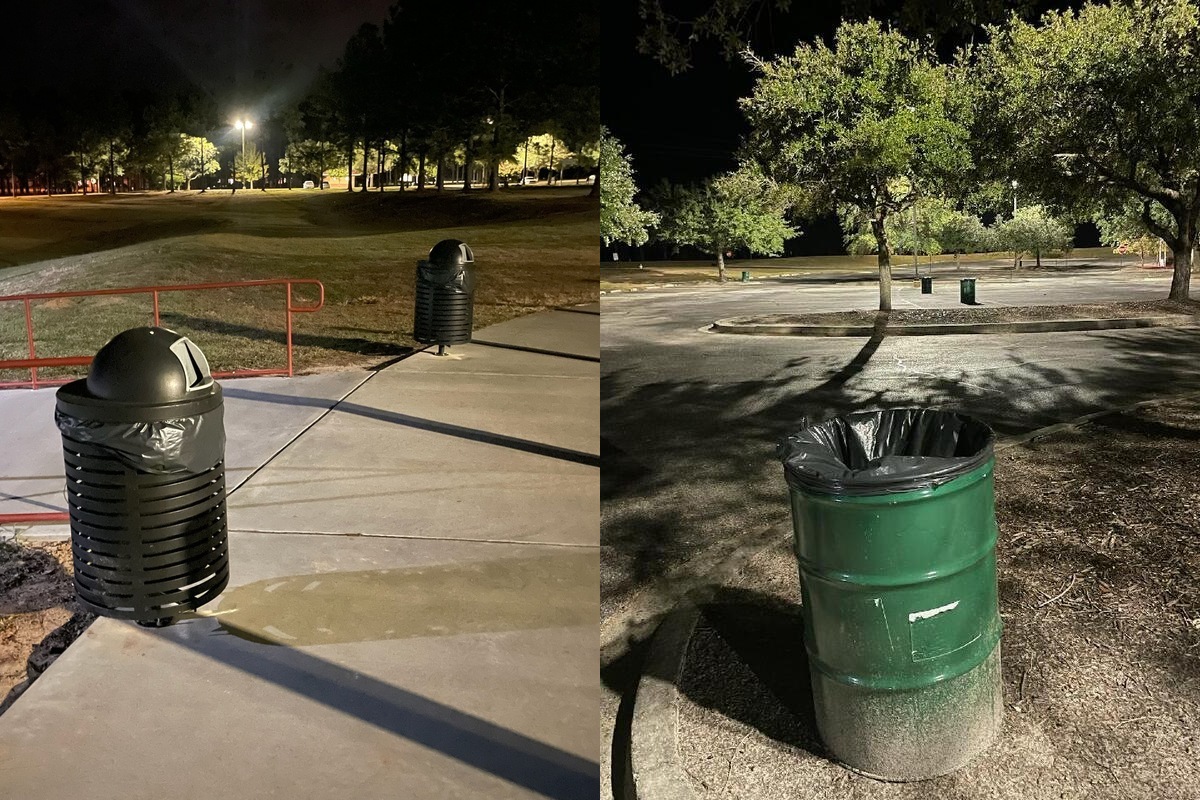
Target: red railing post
point(289, 327)
point(29, 338)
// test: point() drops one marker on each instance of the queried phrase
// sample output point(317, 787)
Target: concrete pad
point(31, 465)
point(565, 332)
point(446, 670)
point(489, 444)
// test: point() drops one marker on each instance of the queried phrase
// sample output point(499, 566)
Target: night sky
point(687, 127)
point(251, 56)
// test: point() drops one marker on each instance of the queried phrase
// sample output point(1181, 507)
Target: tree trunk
point(420, 171)
point(171, 169)
point(82, 173)
point(403, 157)
point(878, 227)
point(366, 149)
point(1038, 255)
point(550, 168)
point(720, 264)
point(380, 165)
point(112, 169)
point(1182, 277)
point(350, 169)
point(467, 166)
point(441, 169)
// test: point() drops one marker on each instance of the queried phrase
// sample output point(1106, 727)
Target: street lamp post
point(242, 125)
point(1014, 188)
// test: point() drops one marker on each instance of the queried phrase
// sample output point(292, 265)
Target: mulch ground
point(1099, 579)
point(39, 616)
point(1185, 310)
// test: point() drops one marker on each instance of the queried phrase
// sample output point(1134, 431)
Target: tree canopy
point(742, 210)
point(1097, 109)
point(871, 123)
point(400, 100)
point(621, 219)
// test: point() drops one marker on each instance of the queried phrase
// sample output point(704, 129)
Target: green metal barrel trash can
point(895, 534)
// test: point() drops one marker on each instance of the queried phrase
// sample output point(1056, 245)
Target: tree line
point(454, 88)
point(1091, 113)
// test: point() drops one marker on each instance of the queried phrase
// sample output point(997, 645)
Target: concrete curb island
point(751, 328)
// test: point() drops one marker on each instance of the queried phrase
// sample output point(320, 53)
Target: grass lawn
point(618, 274)
point(533, 249)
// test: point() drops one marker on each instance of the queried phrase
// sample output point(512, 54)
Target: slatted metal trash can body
point(895, 536)
point(144, 447)
point(445, 295)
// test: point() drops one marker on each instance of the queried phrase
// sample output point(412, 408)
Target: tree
point(1098, 108)
point(961, 232)
point(621, 219)
point(740, 210)
point(1033, 230)
point(668, 37)
point(247, 166)
point(872, 123)
point(197, 157)
point(312, 157)
point(1124, 225)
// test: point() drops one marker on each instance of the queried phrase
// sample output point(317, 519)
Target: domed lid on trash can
point(883, 452)
point(450, 254)
point(148, 374)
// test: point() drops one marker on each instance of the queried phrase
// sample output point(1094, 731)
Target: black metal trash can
point(445, 296)
point(144, 446)
point(926, 284)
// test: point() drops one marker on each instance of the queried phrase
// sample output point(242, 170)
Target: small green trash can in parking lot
point(926, 284)
point(966, 291)
point(895, 535)
point(745, 276)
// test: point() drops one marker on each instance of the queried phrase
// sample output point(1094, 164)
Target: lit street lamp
point(242, 125)
point(1014, 187)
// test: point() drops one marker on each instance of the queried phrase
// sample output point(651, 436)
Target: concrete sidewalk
point(412, 609)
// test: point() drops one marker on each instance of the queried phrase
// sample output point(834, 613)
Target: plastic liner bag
point(881, 452)
point(188, 444)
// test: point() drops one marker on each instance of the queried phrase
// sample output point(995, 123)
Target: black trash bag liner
point(188, 444)
point(880, 452)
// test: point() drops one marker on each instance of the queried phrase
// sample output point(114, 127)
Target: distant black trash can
point(445, 304)
point(144, 445)
point(926, 284)
point(966, 291)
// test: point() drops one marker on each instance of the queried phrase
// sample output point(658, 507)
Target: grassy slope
point(533, 248)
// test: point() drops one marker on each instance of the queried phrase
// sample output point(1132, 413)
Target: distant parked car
point(528, 180)
point(309, 185)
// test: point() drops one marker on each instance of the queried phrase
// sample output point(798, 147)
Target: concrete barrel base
point(914, 734)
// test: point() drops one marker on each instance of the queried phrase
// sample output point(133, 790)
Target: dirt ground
point(38, 612)
point(1099, 580)
point(1182, 310)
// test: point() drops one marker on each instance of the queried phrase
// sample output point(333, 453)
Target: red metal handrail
point(33, 362)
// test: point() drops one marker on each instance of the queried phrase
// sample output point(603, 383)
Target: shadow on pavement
point(445, 428)
point(480, 744)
